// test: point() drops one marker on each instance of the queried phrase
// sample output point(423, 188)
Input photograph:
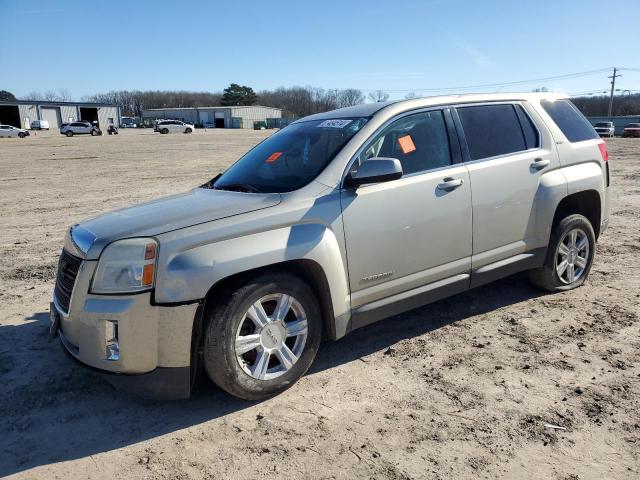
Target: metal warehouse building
point(20, 113)
point(218, 117)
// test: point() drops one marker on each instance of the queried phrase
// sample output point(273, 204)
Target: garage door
point(51, 115)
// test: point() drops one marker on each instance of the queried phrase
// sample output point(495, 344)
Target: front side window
point(291, 158)
point(569, 120)
point(419, 141)
point(492, 130)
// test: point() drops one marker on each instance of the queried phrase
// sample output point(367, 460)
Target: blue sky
point(394, 45)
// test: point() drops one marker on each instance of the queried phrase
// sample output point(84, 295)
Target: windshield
point(604, 124)
point(291, 158)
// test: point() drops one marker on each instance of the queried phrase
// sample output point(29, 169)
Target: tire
point(164, 131)
point(93, 133)
point(21, 135)
point(69, 133)
point(188, 130)
point(547, 277)
point(230, 318)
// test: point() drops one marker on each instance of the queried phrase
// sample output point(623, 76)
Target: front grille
point(68, 267)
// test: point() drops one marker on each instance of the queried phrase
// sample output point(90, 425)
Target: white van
point(40, 125)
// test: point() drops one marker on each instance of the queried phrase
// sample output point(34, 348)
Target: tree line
point(625, 104)
point(294, 101)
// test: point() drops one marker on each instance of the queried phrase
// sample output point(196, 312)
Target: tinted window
point(604, 124)
point(291, 158)
point(491, 130)
point(569, 120)
point(528, 128)
point(419, 141)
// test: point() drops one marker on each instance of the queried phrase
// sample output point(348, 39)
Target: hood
point(166, 214)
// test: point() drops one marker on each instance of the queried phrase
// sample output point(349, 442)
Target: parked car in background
point(605, 129)
point(632, 130)
point(80, 128)
point(7, 131)
point(172, 126)
point(208, 125)
point(337, 221)
point(128, 122)
point(40, 125)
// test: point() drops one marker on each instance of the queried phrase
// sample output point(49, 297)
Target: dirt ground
point(459, 389)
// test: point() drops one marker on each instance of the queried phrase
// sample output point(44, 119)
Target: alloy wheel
point(271, 336)
point(572, 256)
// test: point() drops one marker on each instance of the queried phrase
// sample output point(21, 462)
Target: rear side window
point(569, 120)
point(492, 130)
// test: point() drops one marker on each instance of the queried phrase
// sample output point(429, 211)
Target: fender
point(585, 176)
point(193, 265)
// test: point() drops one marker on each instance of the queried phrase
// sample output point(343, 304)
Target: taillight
point(603, 151)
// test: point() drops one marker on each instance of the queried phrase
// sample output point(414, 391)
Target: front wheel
point(69, 133)
point(94, 133)
point(21, 135)
point(263, 336)
point(569, 255)
point(188, 130)
point(164, 131)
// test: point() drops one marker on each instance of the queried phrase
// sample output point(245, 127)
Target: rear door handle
point(540, 163)
point(450, 183)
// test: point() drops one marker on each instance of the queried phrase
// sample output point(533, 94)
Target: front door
point(414, 231)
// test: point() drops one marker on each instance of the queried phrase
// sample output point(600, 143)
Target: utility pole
point(613, 86)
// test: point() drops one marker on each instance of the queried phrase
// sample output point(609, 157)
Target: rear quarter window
point(569, 120)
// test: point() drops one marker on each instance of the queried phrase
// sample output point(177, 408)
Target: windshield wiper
point(239, 187)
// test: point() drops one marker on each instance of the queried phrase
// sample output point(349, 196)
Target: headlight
point(126, 266)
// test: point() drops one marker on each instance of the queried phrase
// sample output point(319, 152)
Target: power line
point(504, 84)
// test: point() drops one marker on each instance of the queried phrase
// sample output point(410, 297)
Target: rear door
point(506, 154)
point(410, 232)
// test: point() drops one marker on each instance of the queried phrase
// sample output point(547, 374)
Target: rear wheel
point(569, 255)
point(188, 130)
point(164, 131)
point(263, 337)
point(69, 133)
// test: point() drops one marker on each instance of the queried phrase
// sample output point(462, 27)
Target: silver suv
point(336, 221)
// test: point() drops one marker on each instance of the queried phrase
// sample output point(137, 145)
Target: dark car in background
point(632, 130)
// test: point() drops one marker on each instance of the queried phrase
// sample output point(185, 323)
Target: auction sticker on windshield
point(335, 123)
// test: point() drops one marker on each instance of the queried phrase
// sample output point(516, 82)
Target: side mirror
point(375, 170)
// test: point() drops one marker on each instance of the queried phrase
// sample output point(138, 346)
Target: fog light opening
point(113, 346)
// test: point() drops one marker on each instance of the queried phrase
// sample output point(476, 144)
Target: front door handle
point(540, 163)
point(450, 183)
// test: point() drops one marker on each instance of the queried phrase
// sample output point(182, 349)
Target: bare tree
point(50, 96)
point(64, 95)
point(33, 95)
point(378, 96)
point(350, 97)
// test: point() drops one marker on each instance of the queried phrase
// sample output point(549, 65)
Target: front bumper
point(154, 341)
point(162, 383)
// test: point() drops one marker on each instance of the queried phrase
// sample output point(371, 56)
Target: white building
point(218, 117)
point(20, 113)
